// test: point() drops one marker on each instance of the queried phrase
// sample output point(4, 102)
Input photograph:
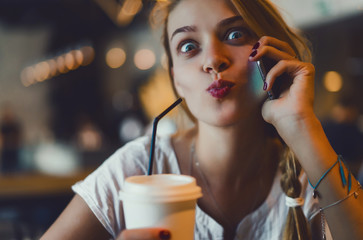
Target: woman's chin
point(226, 119)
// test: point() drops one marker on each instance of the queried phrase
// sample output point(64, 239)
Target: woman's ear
point(177, 86)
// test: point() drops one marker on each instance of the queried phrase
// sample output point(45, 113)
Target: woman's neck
point(232, 152)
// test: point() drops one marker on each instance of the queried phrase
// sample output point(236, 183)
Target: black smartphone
point(281, 83)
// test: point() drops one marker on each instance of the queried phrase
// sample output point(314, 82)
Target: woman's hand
point(293, 117)
point(145, 234)
point(294, 104)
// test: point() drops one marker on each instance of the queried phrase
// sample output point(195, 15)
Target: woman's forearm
point(311, 146)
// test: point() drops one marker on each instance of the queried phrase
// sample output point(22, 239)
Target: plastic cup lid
point(160, 188)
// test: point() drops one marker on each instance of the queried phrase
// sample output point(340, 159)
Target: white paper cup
point(161, 200)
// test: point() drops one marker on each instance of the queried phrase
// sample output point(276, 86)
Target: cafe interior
point(79, 79)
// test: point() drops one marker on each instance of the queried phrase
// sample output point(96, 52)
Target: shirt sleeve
point(100, 189)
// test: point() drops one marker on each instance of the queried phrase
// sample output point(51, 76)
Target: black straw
point(155, 124)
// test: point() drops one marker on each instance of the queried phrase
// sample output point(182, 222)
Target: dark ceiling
point(53, 12)
point(81, 16)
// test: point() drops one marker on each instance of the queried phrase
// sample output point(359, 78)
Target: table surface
point(34, 184)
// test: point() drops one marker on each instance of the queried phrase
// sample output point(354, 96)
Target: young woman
point(236, 156)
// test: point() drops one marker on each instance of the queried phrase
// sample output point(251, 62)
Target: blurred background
point(80, 78)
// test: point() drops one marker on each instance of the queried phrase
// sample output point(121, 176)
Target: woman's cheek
point(181, 85)
point(183, 75)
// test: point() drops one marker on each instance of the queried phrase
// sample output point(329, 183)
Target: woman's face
point(210, 45)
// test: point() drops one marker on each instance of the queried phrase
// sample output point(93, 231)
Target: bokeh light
point(127, 12)
point(130, 128)
point(69, 61)
point(60, 64)
point(115, 57)
point(131, 7)
point(53, 71)
point(333, 81)
point(88, 55)
point(144, 59)
point(78, 57)
point(27, 76)
point(41, 71)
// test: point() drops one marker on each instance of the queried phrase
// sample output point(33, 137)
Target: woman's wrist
point(293, 126)
point(306, 137)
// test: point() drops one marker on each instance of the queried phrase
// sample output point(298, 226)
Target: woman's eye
point(234, 35)
point(187, 47)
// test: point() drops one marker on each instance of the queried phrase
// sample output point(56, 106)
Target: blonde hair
point(264, 20)
point(296, 226)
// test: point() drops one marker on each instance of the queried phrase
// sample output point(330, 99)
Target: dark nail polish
point(264, 86)
point(257, 45)
point(164, 235)
point(253, 53)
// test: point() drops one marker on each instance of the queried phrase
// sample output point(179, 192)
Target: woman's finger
point(270, 52)
point(297, 100)
point(276, 43)
point(292, 68)
point(145, 234)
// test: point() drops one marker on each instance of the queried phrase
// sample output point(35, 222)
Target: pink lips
point(220, 88)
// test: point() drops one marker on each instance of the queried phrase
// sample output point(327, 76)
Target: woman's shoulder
point(132, 159)
point(101, 188)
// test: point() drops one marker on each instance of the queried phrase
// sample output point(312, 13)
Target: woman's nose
point(216, 59)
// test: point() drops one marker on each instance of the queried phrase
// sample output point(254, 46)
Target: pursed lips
point(220, 88)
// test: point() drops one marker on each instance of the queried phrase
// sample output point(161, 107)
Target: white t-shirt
point(100, 191)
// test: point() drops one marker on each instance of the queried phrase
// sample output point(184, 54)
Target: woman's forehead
point(199, 13)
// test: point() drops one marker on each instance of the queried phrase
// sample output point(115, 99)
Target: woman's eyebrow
point(184, 29)
point(193, 28)
point(229, 21)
